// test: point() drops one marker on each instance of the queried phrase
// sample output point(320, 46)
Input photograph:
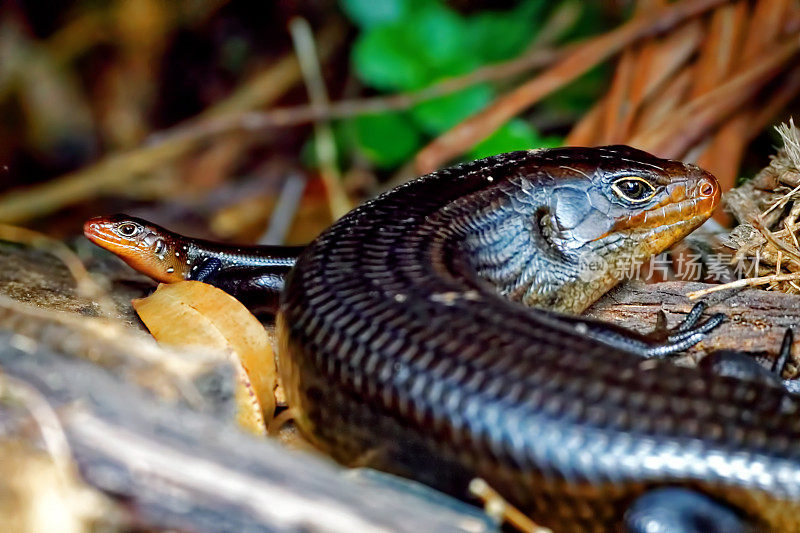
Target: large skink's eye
point(128, 229)
point(633, 189)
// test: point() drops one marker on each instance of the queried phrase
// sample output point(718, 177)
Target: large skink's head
point(607, 209)
point(627, 194)
point(146, 247)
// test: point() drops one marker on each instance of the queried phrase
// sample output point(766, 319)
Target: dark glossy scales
point(399, 356)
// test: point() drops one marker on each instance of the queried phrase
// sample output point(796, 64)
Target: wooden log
point(756, 319)
point(178, 469)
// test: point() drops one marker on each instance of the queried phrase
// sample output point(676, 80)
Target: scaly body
point(402, 350)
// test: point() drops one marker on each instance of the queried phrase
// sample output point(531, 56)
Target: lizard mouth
point(99, 232)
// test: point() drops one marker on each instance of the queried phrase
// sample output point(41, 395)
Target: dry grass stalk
point(762, 34)
point(701, 108)
point(463, 136)
point(689, 124)
point(115, 171)
point(325, 146)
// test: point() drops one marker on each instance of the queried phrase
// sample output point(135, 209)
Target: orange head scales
point(148, 248)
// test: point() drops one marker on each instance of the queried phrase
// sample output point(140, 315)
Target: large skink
point(412, 340)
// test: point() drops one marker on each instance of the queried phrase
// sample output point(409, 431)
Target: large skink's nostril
point(706, 187)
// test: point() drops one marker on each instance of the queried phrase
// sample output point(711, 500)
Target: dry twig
point(501, 510)
point(746, 282)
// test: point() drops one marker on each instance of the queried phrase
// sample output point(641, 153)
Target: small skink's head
point(146, 247)
point(610, 208)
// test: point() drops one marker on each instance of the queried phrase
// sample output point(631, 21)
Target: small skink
point(254, 274)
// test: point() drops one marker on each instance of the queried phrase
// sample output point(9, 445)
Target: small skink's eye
point(633, 189)
point(128, 229)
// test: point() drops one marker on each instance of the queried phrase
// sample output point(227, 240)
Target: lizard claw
point(685, 335)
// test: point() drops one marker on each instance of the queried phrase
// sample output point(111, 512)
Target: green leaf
point(499, 35)
point(438, 35)
point(414, 52)
point(533, 10)
point(514, 135)
point(384, 59)
point(387, 139)
point(494, 37)
point(441, 114)
point(370, 13)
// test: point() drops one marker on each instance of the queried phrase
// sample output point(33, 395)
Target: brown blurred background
point(196, 114)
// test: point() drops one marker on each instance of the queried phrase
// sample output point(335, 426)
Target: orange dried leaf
point(191, 313)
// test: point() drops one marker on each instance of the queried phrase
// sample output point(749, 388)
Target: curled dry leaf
point(191, 313)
